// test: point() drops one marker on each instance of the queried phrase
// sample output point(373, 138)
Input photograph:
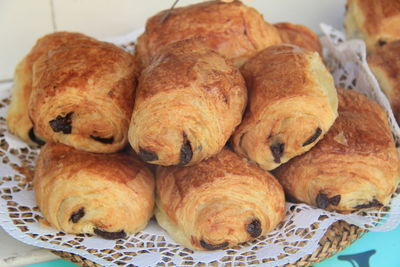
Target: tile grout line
point(6, 81)
point(53, 16)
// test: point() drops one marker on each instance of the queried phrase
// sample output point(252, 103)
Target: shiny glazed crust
point(299, 35)
point(385, 64)
point(218, 203)
point(292, 104)
point(111, 195)
point(376, 22)
point(354, 166)
point(18, 120)
point(232, 29)
point(82, 96)
point(188, 103)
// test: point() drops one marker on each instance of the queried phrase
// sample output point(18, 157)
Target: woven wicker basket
point(338, 237)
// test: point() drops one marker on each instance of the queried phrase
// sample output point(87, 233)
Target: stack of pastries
point(377, 23)
point(190, 126)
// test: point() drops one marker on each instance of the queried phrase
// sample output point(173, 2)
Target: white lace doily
point(298, 235)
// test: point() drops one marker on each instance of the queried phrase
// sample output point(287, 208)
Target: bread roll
point(375, 22)
point(292, 104)
point(385, 64)
point(82, 96)
point(232, 29)
point(299, 35)
point(18, 120)
point(355, 166)
point(111, 195)
point(218, 203)
point(188, 103)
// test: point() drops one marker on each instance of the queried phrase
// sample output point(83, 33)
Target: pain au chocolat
point(375, 22)
point(188, 103)
point(299, 35)
point(355, 166)
point(218, 203)
point(292, 104)
point(385, 65)
point(111, 195)
point(233, 29)
point(82, 96)
point(18, 120)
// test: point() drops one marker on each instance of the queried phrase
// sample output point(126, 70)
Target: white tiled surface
point(23, 21)
point(102, 18)
point(306, 12)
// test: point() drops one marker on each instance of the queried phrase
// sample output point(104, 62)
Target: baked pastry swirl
point(355, 166)
point(111, 195)
point(292, 104)
point(217, 203)
point(188, 103)
point(375, 22)
point(385, 64)
point(299, 35)
point(234, 30)
point(18, 120)
point(82, 96)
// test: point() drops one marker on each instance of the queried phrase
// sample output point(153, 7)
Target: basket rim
point(339, 236)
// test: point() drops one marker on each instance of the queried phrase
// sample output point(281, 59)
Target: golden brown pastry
point(292, 104)
point(111, 195)
point(218, 203)
point(232, 29)
point(355, 166)
point(299, 35)
point(18, 120)
point(82, 96)
point(385, 64)
point(188, 103)
point(374, 21)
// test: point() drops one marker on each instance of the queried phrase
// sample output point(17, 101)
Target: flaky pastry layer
point(292, 104)
point(355, 166)
point(111, 195)
point(188, 103)
point(82, 96)
point(234, 30)
point(218, 203)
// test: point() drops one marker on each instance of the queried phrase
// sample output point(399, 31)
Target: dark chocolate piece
point(254, 228)
point(322, 201)
point(110, 235)
point(382, 42)
point(335, 200)
point(34, 138)
point(76, 216)
point(277, 151)
point(371, 204)
point(186, 152)
point(147, 155)
point(62, 124)
point(213, 247)
point(314, 137)
point(103, 140)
